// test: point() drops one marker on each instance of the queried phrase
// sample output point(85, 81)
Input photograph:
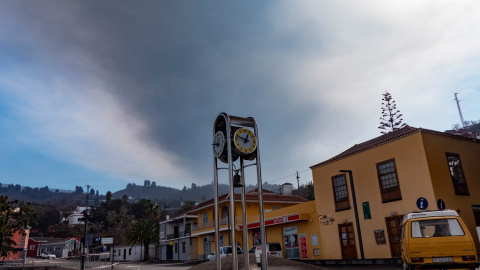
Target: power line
point(293, 174)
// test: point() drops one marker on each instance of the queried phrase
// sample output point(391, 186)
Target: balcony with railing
point(180, 234)
point(211, 223)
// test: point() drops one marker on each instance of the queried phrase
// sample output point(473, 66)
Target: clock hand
point(245, 140)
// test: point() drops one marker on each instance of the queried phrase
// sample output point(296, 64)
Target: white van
point(273, 249)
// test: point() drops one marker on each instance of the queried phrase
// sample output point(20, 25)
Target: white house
point(135, 253)
point(77, 215)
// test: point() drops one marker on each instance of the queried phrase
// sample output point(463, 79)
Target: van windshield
point(275, 247)
point(436, 228)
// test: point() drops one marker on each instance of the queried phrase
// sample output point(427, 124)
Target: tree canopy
point(144, 231)
point(391, 117)
point(15, 217)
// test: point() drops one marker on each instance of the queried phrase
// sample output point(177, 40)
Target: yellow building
point(205, 230)
point(393, 174)
point(296, 228)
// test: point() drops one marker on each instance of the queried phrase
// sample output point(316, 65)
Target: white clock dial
point(245, 141)
point(218, 144)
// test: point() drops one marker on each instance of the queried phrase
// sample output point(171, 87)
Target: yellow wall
point(422, 172)
point(252, 212)
point(308, 227)
point(413, 177)
point(469, 153)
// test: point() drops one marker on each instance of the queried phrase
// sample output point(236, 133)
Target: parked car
point(252, 250)
point(211, 256)
point(436, 239)
point(48, 256)
point(224, 252)
point(273, 249)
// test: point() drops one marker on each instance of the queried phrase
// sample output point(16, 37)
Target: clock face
point(218, 144)
point(245, 141)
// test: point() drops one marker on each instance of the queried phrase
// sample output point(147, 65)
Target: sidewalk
point(274, 263)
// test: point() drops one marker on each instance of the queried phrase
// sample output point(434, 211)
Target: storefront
point(296, 228)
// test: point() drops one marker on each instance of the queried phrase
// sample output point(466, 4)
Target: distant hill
point(165, 196)
point(171, 195)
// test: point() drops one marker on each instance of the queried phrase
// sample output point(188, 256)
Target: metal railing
point(223, 221)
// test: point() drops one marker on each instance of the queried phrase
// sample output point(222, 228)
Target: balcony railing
point(180, 234)
point(211, 223)
point(224, 221)
point(208, 224)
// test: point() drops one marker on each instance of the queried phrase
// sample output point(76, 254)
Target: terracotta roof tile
point(252, 197)
point(255, 190)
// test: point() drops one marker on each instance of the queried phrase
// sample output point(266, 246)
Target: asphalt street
point(273, 265)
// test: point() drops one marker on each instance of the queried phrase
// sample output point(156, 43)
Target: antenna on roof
point(459, 110)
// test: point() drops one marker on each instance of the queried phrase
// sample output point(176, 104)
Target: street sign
point(441, 204)
point(107, 240)
point(422, 203)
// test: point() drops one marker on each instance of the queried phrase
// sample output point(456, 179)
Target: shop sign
point(273, 221)
point(303, 246)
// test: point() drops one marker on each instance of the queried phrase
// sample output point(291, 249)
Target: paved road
point(273, 265)
point(193, 267)
point(182, 266)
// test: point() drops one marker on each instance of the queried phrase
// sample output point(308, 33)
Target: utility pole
point(459, 110)
point(298, 181)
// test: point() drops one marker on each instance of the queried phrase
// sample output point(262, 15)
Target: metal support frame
point(249, 122)
point(244, 219)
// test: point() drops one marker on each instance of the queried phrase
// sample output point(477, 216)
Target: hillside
point(170, 195)
point(164, 196)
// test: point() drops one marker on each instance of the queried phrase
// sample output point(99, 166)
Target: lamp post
point(113, 243)
point(85, 214)
point(354, 199)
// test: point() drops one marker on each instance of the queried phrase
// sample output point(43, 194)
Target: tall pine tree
point(391, 117)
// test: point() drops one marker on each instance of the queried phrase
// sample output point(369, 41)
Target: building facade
point(133, 253)
point(61, 248)
point(176, 240)
point(403, 171)
point(20, 237)
point(78, 216)
point(295, 227)
point(205, 231)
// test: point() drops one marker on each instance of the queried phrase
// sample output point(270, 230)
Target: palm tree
point(143, 231)
point(14, 217)
point(7, 245)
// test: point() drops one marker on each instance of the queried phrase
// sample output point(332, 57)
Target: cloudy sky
point(107, 93)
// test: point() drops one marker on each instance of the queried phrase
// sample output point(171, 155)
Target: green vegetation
point(391, 117)
point(144, 231)
point(15, 217)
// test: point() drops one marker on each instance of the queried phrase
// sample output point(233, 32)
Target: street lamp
point(350, 175)
point(85, 215)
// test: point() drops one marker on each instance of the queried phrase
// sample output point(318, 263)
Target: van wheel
point(405, 266)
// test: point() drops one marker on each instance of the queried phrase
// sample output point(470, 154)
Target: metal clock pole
point(260, 201)
point(244, 219)
point(232, 195)
point(217, 223)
